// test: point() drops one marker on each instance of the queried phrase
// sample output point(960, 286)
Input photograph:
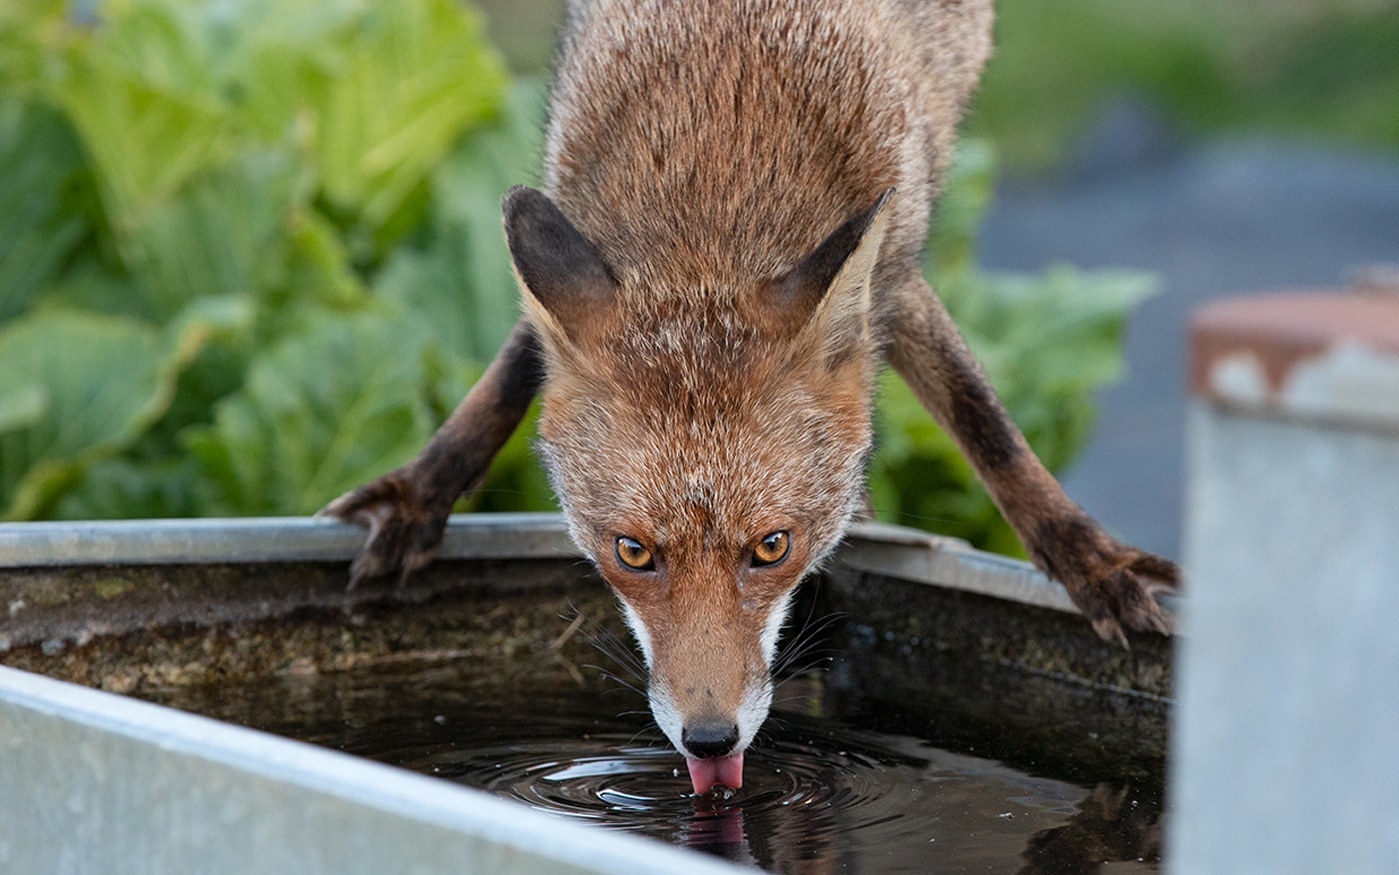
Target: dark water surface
point(821, 793)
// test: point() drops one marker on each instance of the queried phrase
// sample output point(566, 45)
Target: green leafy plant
point(254, 256)
point(206, 301)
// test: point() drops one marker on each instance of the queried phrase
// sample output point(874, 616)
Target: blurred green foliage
point(252, 255)
point(251, 252)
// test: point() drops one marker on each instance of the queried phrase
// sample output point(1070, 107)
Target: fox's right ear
point(563, 274)
point(826, 296)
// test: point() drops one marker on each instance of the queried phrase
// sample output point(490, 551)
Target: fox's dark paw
point(1113, 584)
point(1126, 596)
point(405, 526)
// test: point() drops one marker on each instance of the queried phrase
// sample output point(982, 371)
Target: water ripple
point(607, 779)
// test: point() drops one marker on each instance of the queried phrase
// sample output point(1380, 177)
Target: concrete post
point(1286, 742)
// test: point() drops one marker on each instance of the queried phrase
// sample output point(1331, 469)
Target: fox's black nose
point(709, 739)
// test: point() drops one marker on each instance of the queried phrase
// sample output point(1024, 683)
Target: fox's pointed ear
point(828, 291)
point(563, 274)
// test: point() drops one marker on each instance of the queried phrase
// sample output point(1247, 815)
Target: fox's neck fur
point(700, 145)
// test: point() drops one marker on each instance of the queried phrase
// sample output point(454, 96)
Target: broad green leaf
point(27, 28)
point(318, 269)
point(103, 380)
point(468, 189)
point(42, 219)
point(415, 77)
point(124, 488)
point(22, 405)
point(223, 233)
point(143, 99)
point(324, 411)
point(93, 285)
point(461, 282)
point(278, 57)
point(208, 319)
point(215, 336)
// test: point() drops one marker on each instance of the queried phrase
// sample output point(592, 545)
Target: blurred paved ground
point(1213, 221)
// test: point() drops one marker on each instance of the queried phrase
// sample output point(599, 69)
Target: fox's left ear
point(565, 279)
point(827, 293)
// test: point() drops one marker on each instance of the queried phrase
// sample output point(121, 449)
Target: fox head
point(708, 446)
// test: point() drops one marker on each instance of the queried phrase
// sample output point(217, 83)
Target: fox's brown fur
point(736, 193)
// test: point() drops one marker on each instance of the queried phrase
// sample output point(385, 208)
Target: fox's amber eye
point(772, 549)
point(634, 556)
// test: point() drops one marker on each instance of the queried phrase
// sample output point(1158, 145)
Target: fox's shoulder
point(728, 137)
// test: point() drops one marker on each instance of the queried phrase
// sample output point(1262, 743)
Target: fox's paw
point(1126, 596)
point(405, 525)
point(1113, 584)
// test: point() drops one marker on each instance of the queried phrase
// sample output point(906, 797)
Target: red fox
point(735, 196)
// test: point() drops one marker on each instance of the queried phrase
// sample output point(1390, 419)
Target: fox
point(724, 251)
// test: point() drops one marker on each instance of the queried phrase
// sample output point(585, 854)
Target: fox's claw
point(404, 527)
point(1114, 585)
point(1127, 597)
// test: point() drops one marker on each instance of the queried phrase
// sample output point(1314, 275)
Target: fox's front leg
point(1114, 584)
point(406, 510)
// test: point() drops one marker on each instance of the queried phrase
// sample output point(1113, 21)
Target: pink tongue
point(705, 774)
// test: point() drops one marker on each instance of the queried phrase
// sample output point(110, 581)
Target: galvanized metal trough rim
point(277, 805)
point(878, 548)
point(263, 539)
point(273, 805)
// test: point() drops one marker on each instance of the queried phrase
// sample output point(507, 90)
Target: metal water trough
point(974, 644)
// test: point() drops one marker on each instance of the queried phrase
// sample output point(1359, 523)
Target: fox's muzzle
point(709, 695)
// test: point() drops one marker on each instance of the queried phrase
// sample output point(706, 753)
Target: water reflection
point(819, 796)
point(718, 828)
point(1113, 824)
